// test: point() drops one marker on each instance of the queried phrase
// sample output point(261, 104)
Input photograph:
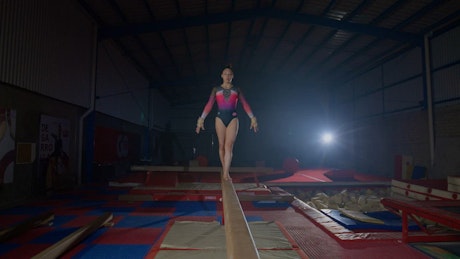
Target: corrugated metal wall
point(389, 104)
point(46, 47)
point(446, 66)
point(394, 86)
point(19, 41)
point(343, 99)
point(402, 84)
point(368, 83)
point(405, 66)
point(398, 85)
point(122, 91)
point(444, 48)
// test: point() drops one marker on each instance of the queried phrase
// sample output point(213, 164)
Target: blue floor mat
point(392, 221)
point(114, 251)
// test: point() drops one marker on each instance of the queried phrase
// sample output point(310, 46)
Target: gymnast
point(226, 122)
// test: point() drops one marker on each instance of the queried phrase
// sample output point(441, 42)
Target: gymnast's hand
point(199, 125)
point(254, 125)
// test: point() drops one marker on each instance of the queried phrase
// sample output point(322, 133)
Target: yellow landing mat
point(360, 216)
point(195, 235)
point(219, 254)
point(195, 239)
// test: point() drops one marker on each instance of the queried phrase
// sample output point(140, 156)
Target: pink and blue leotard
point(227, 100)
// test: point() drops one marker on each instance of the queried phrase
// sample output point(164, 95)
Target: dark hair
point(229, 66)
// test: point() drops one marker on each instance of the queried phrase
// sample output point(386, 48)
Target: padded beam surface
point(240, 243)
point(199, 169)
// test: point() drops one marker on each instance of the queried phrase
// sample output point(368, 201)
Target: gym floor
point(139, 226)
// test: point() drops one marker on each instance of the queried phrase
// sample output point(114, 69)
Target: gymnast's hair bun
point(229, 66)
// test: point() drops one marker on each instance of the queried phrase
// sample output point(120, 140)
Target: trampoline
point(389, 221)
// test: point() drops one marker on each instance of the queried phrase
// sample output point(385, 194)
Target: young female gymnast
point(227, 123)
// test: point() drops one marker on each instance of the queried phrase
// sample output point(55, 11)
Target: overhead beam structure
point(157, 26)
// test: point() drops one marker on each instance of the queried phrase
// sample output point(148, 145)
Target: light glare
point(327, 138)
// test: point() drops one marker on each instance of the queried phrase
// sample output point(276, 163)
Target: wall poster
point(7, 144)
point(53, 149)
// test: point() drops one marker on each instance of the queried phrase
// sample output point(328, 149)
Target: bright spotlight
point(327, 138)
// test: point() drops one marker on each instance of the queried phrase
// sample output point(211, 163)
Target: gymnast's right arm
point(206, 110)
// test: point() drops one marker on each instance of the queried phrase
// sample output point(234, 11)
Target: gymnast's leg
point(226, 136)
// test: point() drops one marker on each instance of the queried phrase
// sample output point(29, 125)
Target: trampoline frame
point(431, 210)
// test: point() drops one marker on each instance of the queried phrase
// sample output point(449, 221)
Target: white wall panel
point(404, 95)
point(124, 93)
point(369, 105)
point(121, 90)
point(344, 112)
point(368, 82)
point(446, 83)
point(405, 66)
point(344, 93)
point(343, 103)
point(445, 61)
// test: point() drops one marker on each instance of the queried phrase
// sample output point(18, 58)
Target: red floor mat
point(311, 175)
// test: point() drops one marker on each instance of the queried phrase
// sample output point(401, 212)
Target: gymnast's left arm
point(247, 108)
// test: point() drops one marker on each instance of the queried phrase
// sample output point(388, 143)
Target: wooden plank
point(453, 180)
point(400, 184)
point(420, 192)
point(453, 188)
point(200, 169)
point(76, 237)
point(445, 194)
point(239, 240)
point(25, 226)
point(412, 194)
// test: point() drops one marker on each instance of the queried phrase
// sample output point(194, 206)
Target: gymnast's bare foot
point(227, 178)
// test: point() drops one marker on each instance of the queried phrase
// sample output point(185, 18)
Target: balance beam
point(73, 239)
point(199, 169)
point(25, 226)
point(239, 240)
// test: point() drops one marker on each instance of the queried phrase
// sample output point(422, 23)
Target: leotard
point(227, 100)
